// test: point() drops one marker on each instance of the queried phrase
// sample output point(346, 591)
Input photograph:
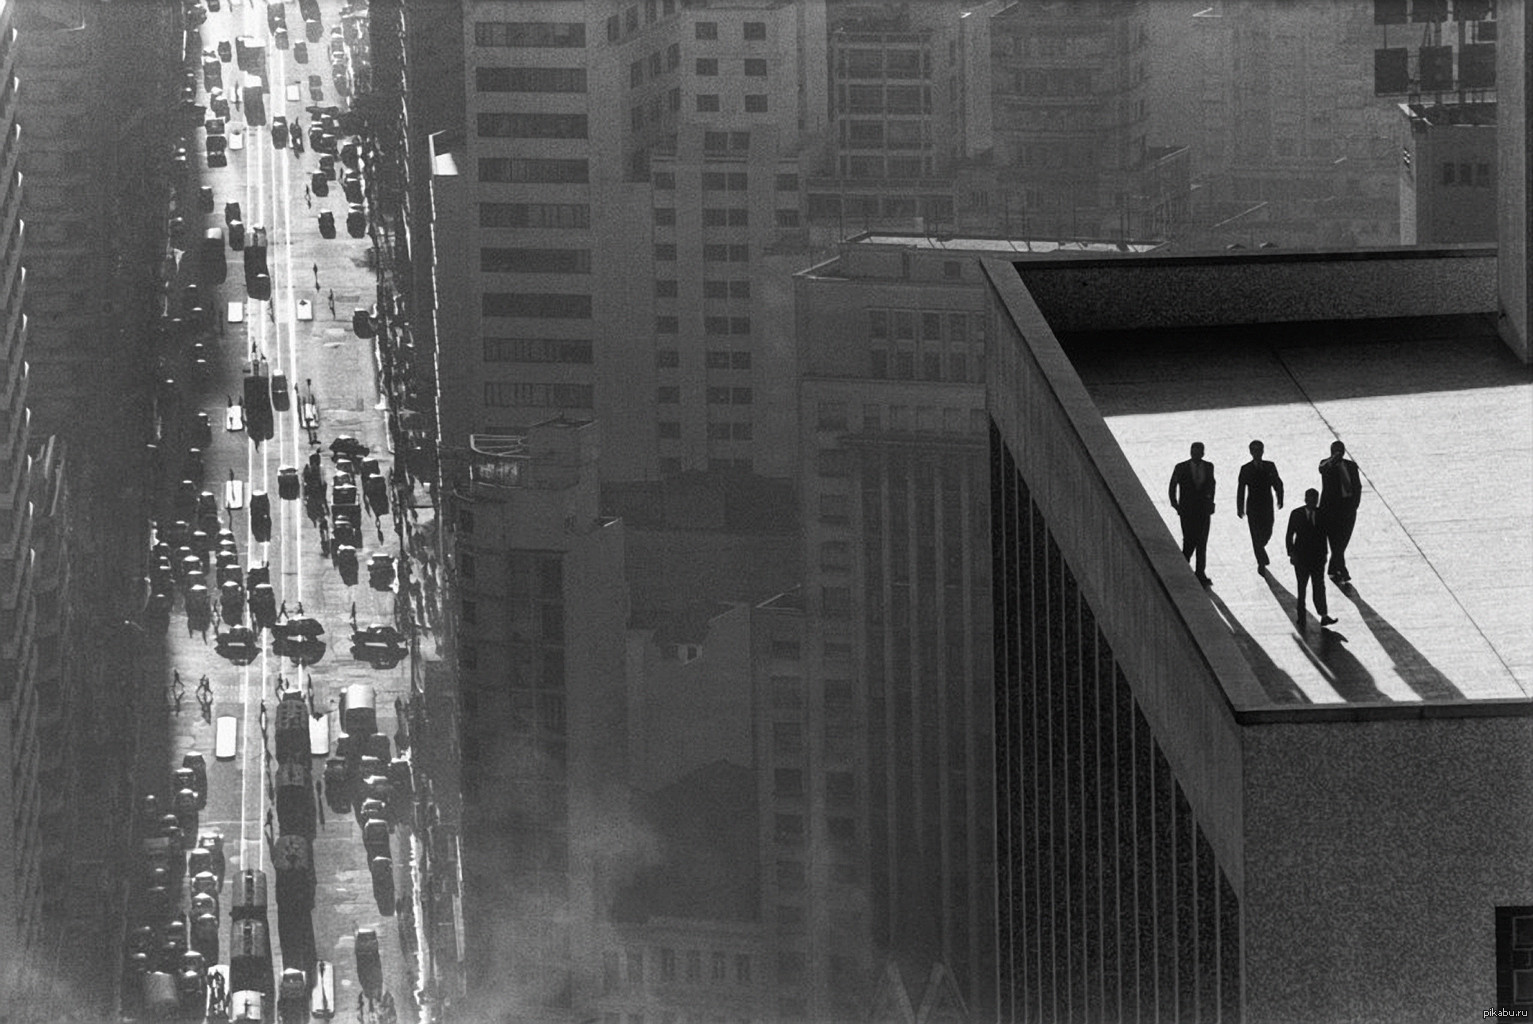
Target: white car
point(236, 136)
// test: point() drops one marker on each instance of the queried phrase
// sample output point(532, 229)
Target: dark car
point(231, 212)
point(369, 963)
point(288, 485)
point(362, 323)
point(319, 183)
point(279, 131)
point(313, 31)
point(194, 762)
point(260, 515)
point(356, 222)
point(316, 88)
point(301, 52)
point(205, 199)
point(351, 185)
point(326, 224)
point(279, 37)
point(280, 396)
point(225, 51)
point(236, 235)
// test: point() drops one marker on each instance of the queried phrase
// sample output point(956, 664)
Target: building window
point(533, 171)
point(534, 215)
point(636, 74)
point(739, 360)
point(669, 429)
point(665, 288)
point(787, 218)
point(556, 34)
point(790, 875)
point(718, 396)
point(833, 462)
point(675, 98)
point(845, 874)
point(836, 602)
point(531, 126)
point(537, 350)
point(789, 828)
point(716, 360)
point(508, 394)
point(715, 289)
point(673, 57)
point(835, 555)
point(667, 325)
point(665, 216)
point(668, 395)
point(694, 965)
point(786, 649)
point(718, 431)
point(707, 30)
point(1514, 958)
point(665, 252)
point(555, 305)
point(742, 969)
point(1482, 175)
point(739, 325)
point(529, 79)
point(665, 181)
point(755, 67)
point(740, 431)
point(667, 358)
point(534, 261)
point(755, 30)
point(719, 970)
point(834, 509)
point(635, 967)
point(831, 416)
point(716, 325)
point(707, 103)
point(755, 103)
point(787, 693)
point(787, 739)
point(707, 66)
point(739, 289)
point(1448, 173)
point(840, 787)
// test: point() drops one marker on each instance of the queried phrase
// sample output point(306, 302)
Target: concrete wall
point(1170, 643)
point(1513, 78)
point(1123, 294)
point(1376, 853)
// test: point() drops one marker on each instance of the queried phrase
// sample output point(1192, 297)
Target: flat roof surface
point(1008, 245)
point(1439, 418)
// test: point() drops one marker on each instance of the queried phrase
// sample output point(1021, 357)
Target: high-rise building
point(541, 609)
point(1447, 173)
point(1205, 795)
point(587, 119)
point(20, 800)
point(1070, 120)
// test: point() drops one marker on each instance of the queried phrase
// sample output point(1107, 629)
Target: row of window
point(667, 288)
point(670, 430)
point(714, 359)
point(521, 260)
point(629, 23)
point(545, 305)
point(788, 691)
point(670, 967)
point(731, 181)
point(792, 650)
point(840, 787)
point(888, 167)
point(885, 134)
point(862, 63)
point(534, 215)
point(901, 365)
point(789, 828)
point(1477, 175)
point(537, 350)
point(754, 67)
point(524, 79)
point(892, 99)
point(665, 252)
point(900, 419)
point(510, 394)
point(555, 34)
point(751, 31)
point(535, 171)
point(933, 325)
point(826, 207)
point(713, 217)
point(531, 126)
point(673, 466)
point(671, 395)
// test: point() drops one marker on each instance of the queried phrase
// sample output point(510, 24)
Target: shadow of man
point(1278, 684)
point(1328, 653)
point(1411, 665)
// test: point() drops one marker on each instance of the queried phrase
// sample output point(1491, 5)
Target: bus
point(255, 100)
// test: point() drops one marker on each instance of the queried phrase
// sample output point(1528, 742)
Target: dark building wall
point(1113, 903)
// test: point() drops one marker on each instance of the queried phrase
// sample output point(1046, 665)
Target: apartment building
point(20, 796)
point(585, 122)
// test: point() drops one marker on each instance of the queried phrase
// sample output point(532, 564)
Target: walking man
point(1341, 488)
point(1306, 545)
point(332, 303)
point(308, 197)
point(1192, 495)
point(1259, 482)
point(316, 277)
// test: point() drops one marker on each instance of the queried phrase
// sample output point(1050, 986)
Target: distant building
point(21, 897)
point(624, 166)
point(539, 633)
point(1447, 173)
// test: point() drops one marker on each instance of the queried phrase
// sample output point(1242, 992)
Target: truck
point(292, 730)
point(255, 100)
point(250, 967)
point(250, 55)
point(295, 797)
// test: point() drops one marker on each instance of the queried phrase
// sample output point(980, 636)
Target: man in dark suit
point(1192, 495)
point(1341, 488)
point(1306, 546)
point(1259, 482)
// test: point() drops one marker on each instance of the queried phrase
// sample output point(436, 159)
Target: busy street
point(276, 846)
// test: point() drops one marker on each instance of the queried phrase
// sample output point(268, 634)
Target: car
point(236, 235)
point(316, 88)
point(280, 399)
point(198, 765)
point(214, 126)
point(232, 212)
point(214, 5)
point(327, 165)
point(279, 131)
point(351, 186)
point(362, 323)
point(313, 31)
point(218, 103)
point(205, 199)
point(369, 964)
point(326, 224)
point(236, 136)
point(295, 136)
point(206, 882)
point(279, 37)
point(258, 234)
point(380, 570)
point(288, 484)
point(225, 51)
point(259, 286)
point(301, 52)
point(217, 157)
point(216, 144)
point(260, 516)
point(356, 221)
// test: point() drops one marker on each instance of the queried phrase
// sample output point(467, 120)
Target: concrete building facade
point(20, 796)
point(1447, 174)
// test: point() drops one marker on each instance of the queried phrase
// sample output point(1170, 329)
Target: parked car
point(362, 323)
point(316, 88)
point(356, 221)
point(326, 224)
point(225, 51)
point(369, 964)
point(279, 131)
point(205, 193)
point(236, 136)
point(280, 399)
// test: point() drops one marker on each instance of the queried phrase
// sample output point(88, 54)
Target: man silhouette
point(1259, 482)
point(1306, 544)
point(1341, 488)
point(1192, 495)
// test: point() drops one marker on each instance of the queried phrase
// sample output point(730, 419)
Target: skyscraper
point(20, 864)
point(587, 121)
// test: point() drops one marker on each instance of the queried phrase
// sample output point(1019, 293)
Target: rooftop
point(1009, 245)
point(1439, 418)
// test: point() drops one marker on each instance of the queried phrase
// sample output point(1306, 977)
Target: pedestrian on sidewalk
point(263, 717)
point(308, 197)
point(332, 303)
point(316, 277)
